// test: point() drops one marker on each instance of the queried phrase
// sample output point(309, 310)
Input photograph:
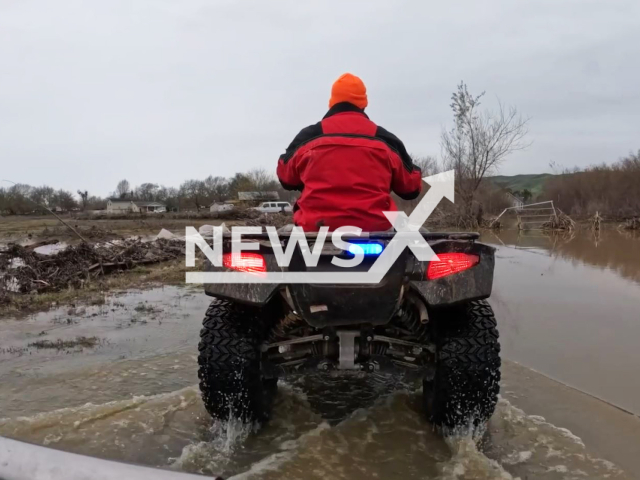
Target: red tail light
point(451, 263)
point(245, 262)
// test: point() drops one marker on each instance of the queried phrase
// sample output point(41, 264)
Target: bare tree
point(217, 188)
point(240, 182)
point(477, 145)
point(147, 192)
point(194, 193)
point(96, 203)
point(42, 195)
point(123, 188)
point(63, 200)
point(262, 180)
point(428, 165)
point(17, 198)
point(84, 196)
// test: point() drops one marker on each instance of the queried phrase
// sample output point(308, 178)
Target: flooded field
point(570, 308)
point(117, 380)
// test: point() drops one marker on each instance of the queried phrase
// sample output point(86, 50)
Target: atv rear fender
point(375, 303)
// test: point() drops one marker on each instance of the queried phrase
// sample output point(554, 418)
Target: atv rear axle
point(347, 349)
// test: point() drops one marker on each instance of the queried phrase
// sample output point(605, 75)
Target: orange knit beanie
point(349, 88)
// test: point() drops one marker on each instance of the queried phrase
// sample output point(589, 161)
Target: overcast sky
point(160, 91)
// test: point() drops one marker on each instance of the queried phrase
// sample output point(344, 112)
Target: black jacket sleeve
point(407, 177)
point(396, 144)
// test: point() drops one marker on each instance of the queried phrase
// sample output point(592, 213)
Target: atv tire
point(464, 391)
point(231, 381)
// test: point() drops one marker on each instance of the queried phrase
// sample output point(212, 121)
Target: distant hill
point(533, 183)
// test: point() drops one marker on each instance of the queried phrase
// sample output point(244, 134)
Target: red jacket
point(346, 167)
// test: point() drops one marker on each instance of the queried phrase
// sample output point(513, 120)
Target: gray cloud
point(91, 92)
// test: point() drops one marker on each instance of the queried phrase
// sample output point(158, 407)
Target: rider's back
point(346, 167)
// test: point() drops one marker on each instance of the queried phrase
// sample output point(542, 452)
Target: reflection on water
point(611, 250)
point(567, 306)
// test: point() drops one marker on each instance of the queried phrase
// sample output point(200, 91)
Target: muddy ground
point(23, 227)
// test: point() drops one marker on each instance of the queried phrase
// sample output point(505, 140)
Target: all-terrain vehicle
point(427, 318)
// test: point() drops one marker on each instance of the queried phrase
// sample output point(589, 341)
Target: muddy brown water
point(566, 307)
point(569, 307)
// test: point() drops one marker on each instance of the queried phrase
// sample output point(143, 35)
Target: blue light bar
point(365, 248)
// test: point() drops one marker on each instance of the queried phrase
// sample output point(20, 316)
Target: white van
point(274, 207)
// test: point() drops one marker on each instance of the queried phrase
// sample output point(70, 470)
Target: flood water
point(569, 307)
point(566, 307)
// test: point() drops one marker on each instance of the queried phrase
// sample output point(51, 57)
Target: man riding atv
point(428, 320)
point(346, 166)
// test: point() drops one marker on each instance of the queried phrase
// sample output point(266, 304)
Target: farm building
point(120, 205)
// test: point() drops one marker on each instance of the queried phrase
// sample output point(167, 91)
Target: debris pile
point(25, 271)
point(560, 222)
point(277, 220)
point(238, 214)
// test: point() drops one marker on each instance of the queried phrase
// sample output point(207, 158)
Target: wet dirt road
point(133, 395)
